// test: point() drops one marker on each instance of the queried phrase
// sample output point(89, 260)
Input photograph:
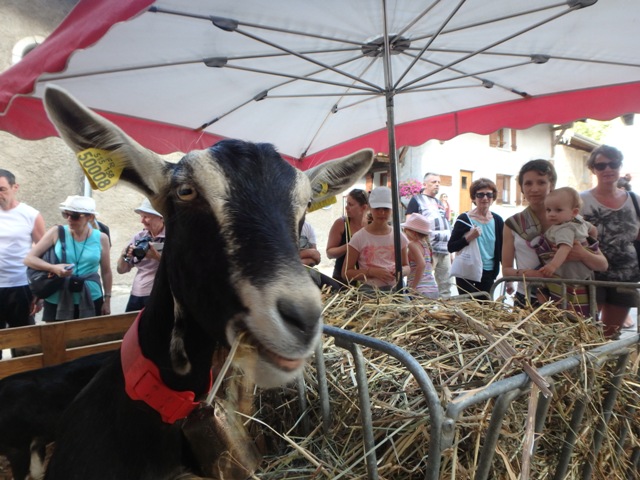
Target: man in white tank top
point(20, 227)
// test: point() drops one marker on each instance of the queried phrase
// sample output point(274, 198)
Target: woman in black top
point(344, 227)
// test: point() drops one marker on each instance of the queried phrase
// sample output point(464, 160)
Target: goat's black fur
point(32, 404)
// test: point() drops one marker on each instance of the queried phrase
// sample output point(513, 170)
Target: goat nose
point(301, 316)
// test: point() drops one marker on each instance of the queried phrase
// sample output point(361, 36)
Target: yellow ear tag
point(102, 167)
point(324, 203)
point(324, 188)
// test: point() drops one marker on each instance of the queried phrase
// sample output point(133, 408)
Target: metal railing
point(443, 419)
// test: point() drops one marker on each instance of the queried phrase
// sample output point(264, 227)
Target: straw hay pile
point(457, 344)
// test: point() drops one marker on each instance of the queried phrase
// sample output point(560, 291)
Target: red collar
point(143, 382)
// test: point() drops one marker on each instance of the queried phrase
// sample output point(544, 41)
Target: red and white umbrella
point(312, 77)
point(322, 79)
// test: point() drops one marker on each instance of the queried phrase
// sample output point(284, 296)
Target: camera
point(140, 249)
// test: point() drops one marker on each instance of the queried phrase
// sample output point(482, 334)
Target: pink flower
point(409, 188)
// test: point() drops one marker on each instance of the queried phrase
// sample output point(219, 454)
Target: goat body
point(32, 405)
point(229, 267)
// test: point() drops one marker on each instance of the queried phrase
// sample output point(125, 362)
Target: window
point(503, 183)
point(504, 138)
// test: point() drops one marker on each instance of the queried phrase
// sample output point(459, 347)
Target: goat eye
point(186, 192)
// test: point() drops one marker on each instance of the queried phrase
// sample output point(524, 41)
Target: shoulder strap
point(63, 244)
point(347, 229)
point(466, 214)
point(634, 199)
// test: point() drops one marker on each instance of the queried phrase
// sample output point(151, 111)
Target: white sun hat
point(145, 207)
point(79, 204)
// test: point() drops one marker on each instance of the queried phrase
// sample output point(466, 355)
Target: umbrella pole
point(393, 157)
point(393, 163)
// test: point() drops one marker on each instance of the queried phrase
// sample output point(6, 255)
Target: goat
point(229, 267)
point(32, 405)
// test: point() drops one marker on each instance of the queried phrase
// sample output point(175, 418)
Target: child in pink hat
point(421, 279)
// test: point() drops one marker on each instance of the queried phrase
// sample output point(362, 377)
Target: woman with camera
point(143, 253)
point(83, 251)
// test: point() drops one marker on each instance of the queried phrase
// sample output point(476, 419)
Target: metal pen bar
point(493, 433)
point(365, 407)
point(436, 414)
point(323, 389)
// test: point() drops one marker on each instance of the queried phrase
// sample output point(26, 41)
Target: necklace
point(84, 244)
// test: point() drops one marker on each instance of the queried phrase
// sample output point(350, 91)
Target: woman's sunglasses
point(484, 194)
point(72, 215)
point(612, 165)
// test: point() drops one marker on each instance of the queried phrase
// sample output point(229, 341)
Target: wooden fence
point(49, 344)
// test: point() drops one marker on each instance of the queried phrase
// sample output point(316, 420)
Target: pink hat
point(417, 223)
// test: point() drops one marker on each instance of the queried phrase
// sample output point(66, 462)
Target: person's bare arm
point(415, 255)
point(334, 249)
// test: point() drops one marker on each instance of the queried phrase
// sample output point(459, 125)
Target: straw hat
point(417, 223)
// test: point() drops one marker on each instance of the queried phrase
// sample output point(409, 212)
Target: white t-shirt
point(16, 227)
point(307, 236)
point(376, 251)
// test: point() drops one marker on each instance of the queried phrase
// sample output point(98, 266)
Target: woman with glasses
point(612, 211)
point(356, 207)
point(86, 250)
point(486, 228)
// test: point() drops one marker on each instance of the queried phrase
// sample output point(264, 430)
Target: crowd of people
point(561, 233)
point(81, 247)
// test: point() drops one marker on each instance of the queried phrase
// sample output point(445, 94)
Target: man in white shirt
point(434, 211)
point(309, 254)
point(20, 227)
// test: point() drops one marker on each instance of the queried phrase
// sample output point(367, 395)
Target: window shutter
point(493, 139)
point(500, 188)
point(514, 147)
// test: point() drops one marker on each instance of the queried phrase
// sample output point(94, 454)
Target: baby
point(567, 226)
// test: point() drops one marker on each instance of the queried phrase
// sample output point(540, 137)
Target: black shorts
point(619, 296)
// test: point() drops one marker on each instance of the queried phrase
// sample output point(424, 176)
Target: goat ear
point(336, 176)
point(82, 129)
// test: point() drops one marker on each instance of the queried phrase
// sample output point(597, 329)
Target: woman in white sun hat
point(143, 252)
point(86, 251)
point(372, 247)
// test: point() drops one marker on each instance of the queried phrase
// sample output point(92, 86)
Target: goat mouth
point(282, 363)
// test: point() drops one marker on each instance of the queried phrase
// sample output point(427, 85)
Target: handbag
point(467, 263)
point(636, 242)
point(43, 283)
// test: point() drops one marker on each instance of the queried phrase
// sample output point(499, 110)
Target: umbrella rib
point(335, 107)
point(484, 49)
point(233, 26)
point(474, 76)
point(307, 59)
point(494, 20)
point(93, 73)
point(528, 55)
point(428, 44)
point(307, 79)
point(210, 18)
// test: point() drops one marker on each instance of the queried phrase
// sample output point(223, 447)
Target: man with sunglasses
point(21, 226)
point(428, 205)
